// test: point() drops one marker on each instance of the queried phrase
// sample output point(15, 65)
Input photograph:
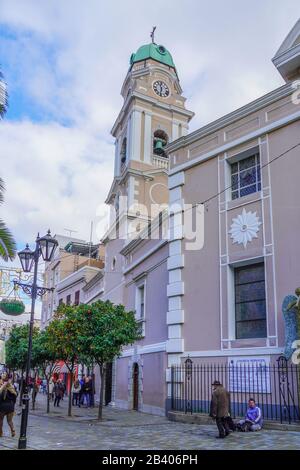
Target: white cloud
point(70, 58)
point(55, 177)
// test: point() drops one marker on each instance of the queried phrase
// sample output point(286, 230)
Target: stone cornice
point(124, 215)
point(74, 278)
point(153, 102)
point(89, 285)
point(112, 189)
point(230, 118)
point(234, 143)
point(132, 74)
point(129, 247)
point(131, 171)
point(157, 247)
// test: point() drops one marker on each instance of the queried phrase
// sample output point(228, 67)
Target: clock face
point(161, 89)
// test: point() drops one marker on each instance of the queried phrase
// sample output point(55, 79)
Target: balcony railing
point(160, 162)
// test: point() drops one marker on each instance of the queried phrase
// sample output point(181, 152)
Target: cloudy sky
point(64, 62)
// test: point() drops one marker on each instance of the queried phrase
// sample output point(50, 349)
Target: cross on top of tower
point(152, 34)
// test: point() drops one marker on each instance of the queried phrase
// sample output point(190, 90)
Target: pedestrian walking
point(35, 391)
point(64, 389)
point(219, 408)
point(58, 392)
point(81, 381)
point(51, 389)
point(91, 390)
point(76, 387)
point(44, 386)
point(86, 392)
point(8, 397)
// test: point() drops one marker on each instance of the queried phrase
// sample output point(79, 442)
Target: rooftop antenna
point(69, 230)
point(152, 34)
point(90, 248)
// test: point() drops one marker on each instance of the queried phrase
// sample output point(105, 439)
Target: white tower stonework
point(153, 114)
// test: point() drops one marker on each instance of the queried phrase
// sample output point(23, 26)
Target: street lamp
point(45, 247)
point(26, 258)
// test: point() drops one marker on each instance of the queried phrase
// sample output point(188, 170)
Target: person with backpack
point(8, 397)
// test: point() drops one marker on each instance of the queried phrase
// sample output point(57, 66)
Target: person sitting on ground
point(253, 419)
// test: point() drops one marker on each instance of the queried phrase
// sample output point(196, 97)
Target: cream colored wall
point(206, 272)
point(241, 127)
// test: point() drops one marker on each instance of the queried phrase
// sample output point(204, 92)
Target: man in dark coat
point(86, 391)
point(8, 396)
point(219, 408)
point(58, 390)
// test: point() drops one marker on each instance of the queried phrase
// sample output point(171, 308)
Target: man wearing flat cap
point(219, 408)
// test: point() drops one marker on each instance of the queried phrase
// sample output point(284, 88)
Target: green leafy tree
point(16, 348)
point(105, 329)
point(64, 332)
point(7, 243)
point(44, 356)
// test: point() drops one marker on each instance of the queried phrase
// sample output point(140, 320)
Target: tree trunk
point(70, 393)
point(101, 368)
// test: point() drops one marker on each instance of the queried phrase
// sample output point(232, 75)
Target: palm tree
point(7, 243)
point(3, 96)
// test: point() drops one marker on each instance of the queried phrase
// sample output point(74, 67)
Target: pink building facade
point(214, 293)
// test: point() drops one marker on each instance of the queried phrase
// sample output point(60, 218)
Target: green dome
point(153, 51)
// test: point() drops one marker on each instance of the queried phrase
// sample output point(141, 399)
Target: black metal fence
point(275, 388)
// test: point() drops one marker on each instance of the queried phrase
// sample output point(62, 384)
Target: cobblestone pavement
point(131, 430)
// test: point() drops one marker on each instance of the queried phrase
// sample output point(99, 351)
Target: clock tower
point(153, 114)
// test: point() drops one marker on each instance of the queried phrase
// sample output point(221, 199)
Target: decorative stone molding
point(175, 345)
point(244, 227)
point(176, 180)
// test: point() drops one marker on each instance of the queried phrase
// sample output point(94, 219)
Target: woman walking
point(8, 396)
point(76, 387)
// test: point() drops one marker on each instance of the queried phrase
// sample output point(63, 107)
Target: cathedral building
point(203, 239)
point(217, 301)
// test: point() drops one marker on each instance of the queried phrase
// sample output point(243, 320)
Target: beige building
point(71, 257)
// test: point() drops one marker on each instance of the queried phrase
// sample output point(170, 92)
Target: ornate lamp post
point(45, 247)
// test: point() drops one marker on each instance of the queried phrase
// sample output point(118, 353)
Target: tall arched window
point(123, 152)
point(160, 140)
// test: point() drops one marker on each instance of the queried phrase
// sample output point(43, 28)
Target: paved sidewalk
point(131, 430)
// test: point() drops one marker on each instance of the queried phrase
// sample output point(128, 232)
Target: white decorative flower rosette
point(244, 227)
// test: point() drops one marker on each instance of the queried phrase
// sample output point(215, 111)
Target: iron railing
point(275, 388)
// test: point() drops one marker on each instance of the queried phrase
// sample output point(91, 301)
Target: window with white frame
point(246, 176)
point(141, 302)
point(140, 306)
